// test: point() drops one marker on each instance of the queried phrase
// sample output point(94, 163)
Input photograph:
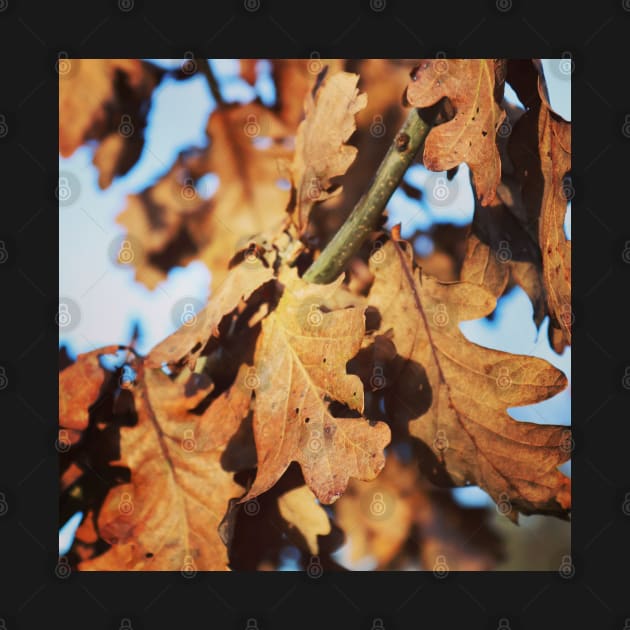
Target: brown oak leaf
point(167, 517)
point(186, 343)
point(79, 387)
point(379, 517)
point(300, 367)
point(470, 136)
point(299, 508)
point(554, 135)
point(321, 152)
point(454, 393)
point(106, 100)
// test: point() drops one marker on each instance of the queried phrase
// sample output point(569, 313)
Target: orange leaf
point(300, 368)
point(320, 149)
point(454, 393)
point(469, 136)
point(187, 343)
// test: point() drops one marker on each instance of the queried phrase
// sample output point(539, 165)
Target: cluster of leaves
point(233, 436)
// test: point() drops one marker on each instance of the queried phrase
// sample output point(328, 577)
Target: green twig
point(365, 216)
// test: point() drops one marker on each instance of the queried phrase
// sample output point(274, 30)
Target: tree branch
point(364, 217)
point(204, 67)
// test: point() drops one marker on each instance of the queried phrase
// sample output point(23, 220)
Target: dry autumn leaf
point(186, 343)
point(381, 516)
point(470, 136)
point(321, 152)
point(454, 393)
point(79, 386)
point(300, 509)
point(167, 517)
point(555, 158)
point(300, 367)
point(106, 100)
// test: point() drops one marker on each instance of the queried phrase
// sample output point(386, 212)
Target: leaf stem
point(204, 67)
point(364, 217)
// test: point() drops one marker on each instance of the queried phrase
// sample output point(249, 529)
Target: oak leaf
point(79, 387)
point(470, 135)
point(106, 100)
point(381, 516)
point(300, 367)
point(167, 517)
point(454, 393)
point(554, 135)
point(321, 152)
point(186, 343)
point(300, 509)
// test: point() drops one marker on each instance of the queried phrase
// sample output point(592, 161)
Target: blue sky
point(110, 301)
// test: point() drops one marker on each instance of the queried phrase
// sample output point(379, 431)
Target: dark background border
point(32, 595)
